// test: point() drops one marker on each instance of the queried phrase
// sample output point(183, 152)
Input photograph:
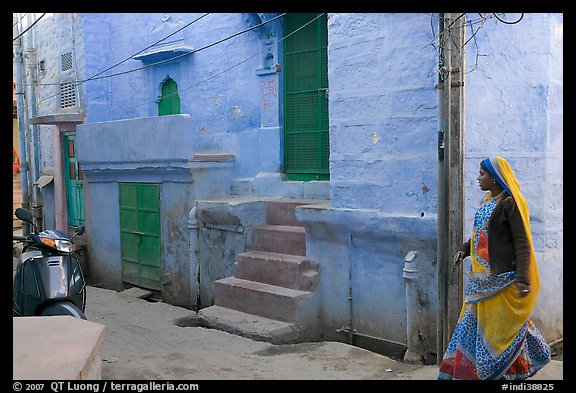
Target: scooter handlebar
point(21, 238)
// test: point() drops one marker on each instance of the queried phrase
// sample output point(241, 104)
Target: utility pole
point(450, 173)
point(35, 155)
point(17, 69)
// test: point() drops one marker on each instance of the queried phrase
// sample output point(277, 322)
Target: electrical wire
point(505, 21)
point(167, 60)
point(224, 71)
point(29, 27)
point(477, 52)
point(254, 55)
point(191, 52)
point(471, 22)
point(18, 21)
point(128, 58)
point(77, 83)
point(148, 47)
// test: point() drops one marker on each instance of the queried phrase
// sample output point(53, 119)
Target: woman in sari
point(494, 337)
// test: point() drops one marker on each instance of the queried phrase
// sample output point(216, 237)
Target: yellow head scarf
point(514, 187)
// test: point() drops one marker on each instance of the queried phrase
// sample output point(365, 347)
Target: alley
point(147, 340)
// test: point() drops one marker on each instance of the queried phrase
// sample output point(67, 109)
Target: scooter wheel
point(63, 308)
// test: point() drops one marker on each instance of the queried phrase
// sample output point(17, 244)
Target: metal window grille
point(67, 94)
point(66, 61)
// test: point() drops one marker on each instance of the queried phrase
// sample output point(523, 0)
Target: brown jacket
point(508, 246)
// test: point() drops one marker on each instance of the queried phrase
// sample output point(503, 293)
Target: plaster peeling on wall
point(559, 30)
point(425, 189)
point(375, 138)
point(237, 112)
point(167, 22)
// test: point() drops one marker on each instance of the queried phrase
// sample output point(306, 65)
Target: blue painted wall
point(159, 150)
point(383, 133)
point(221, 96)
point(383, 112)
point(383, 139)
point(514, 108)
point(383, 123)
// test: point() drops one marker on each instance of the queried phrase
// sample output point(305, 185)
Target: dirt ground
point(147, 340)
point(157, 341)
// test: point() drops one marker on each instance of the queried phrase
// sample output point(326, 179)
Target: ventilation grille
point(67, 94)
point(66, 60)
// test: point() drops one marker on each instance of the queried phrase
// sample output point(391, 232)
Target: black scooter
point(48, 279)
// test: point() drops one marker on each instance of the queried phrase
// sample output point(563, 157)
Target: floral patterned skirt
point(469, 355)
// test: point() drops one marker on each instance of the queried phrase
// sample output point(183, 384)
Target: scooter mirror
point(80, 230)
point(23, 214)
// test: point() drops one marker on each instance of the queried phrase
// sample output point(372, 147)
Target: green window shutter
point(306, 139)
point(170, 102)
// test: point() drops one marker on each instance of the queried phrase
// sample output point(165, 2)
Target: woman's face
point(485, 180)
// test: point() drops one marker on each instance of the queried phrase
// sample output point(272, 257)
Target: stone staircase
point(270, 297)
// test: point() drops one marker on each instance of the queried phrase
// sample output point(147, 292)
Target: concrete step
point(281, 239)
point(289, 271)
point(265, 300)
point(248, 325)
point(283, 211)
point(267, 295)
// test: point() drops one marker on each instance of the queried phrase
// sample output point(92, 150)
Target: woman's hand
point(458, 257)
point(523, 289)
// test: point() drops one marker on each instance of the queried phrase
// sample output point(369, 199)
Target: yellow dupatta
point(501, 317)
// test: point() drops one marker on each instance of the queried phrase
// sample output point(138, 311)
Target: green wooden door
point(306, 140)
point(74, 181)
point(170, 102)
point(140, 234)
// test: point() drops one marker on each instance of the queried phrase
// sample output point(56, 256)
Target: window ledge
point(166, 52)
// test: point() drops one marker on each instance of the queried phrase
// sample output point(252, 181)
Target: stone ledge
point(209, 157)
point(56, 348)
